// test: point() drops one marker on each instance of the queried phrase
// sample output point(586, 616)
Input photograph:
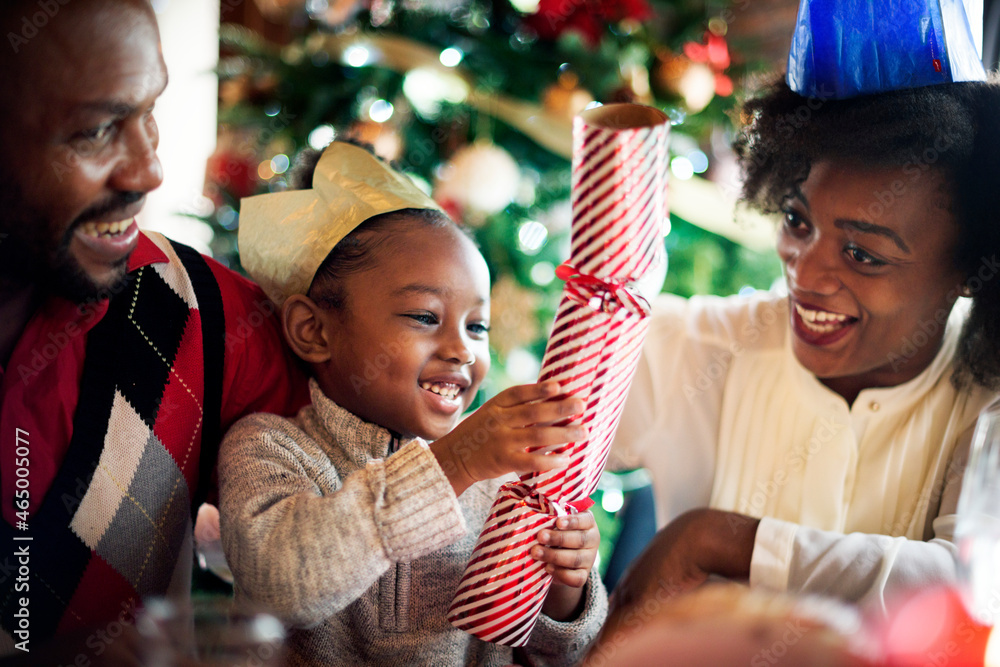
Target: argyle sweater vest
point(115, 526)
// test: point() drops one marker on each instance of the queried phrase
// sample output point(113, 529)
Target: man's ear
point(305, 326)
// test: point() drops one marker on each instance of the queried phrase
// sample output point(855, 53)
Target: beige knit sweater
point(360, 552)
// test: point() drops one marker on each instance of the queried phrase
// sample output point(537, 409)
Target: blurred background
point(474, 99)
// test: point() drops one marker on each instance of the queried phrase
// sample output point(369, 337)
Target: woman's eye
point(793, 220)
point(861, 256)
point(479, 328)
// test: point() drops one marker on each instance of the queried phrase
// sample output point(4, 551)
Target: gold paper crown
point(284, 237)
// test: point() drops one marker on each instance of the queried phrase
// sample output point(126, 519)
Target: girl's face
point(868, 255)
point(410, 347)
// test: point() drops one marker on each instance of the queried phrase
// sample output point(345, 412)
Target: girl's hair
point(354, 252)
point(953, 128)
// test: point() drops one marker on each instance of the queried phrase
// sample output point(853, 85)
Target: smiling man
point(120, 351)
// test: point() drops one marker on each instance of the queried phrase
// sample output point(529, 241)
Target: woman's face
point(868, 255)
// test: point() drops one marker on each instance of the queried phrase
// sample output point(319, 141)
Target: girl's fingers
point(539, 437)
point(569, 539)
point(574, 578)
point(579, 521)
point(546, 412)
point(526, 393)
point(569, 559)
point(540, 462)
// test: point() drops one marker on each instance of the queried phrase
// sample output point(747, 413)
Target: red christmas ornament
point(588, 17)
point(453, 209)
point(714, 53)
point(233, 173)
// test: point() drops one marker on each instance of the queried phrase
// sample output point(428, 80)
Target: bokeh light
point(321, 137)
point(380, 111)
point(356, 55)
point(451, 57)
point(682, 168)
point(543, 273)
point(531, 236)
point(699, 161)
point(612, 500)
point(280, 163)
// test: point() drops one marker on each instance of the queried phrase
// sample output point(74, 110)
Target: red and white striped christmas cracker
point(619, 214)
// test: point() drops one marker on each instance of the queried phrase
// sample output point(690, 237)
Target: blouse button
point(874, 406)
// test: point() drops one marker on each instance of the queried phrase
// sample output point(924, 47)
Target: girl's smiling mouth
point(445, 389)
point(445, 392)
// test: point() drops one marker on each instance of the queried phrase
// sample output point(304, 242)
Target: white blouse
point(855, 500)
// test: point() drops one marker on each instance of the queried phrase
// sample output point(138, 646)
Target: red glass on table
point(618, 197)
point(933, 627)
point(956, 625)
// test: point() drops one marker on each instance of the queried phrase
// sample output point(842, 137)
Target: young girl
point(344, 520)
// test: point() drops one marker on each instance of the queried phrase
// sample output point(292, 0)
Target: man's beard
point(25, 260)
point(69, 281)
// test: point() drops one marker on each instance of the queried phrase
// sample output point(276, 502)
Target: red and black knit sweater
point(111, 401)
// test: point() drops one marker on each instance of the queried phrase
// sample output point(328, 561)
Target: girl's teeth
point(441, 388)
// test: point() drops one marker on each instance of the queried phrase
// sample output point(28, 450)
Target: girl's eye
point(860, 256)
point(427, 319)
point(479, 328)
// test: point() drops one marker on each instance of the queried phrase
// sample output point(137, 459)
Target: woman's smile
point(816, 326)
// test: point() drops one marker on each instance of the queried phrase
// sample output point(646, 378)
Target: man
point(120, 352)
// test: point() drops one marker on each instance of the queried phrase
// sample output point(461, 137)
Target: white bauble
point(697, 86)
point(480, 178)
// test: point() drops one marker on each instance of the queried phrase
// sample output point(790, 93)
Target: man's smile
point(105, 242)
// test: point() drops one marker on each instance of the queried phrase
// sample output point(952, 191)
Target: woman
point(822, 433)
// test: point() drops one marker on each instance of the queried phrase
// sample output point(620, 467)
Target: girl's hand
point(569, 550)
point(510, 433)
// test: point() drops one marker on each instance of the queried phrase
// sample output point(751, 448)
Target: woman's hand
point(682, 555)
point(570, 550)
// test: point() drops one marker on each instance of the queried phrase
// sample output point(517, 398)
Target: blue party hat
point(845, 48)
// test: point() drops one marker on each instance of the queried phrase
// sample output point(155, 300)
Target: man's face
point(78, 147)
